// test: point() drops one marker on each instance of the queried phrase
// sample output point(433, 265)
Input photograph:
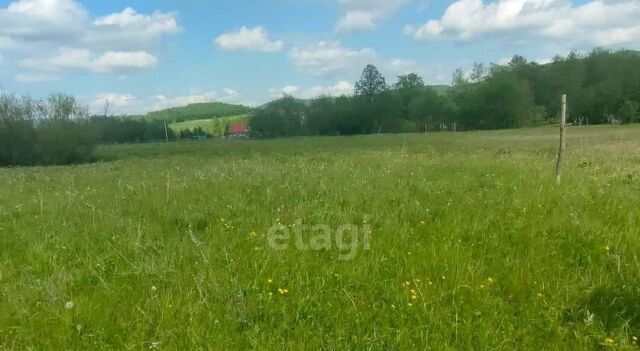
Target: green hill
point(214, 126)
point(197, 111)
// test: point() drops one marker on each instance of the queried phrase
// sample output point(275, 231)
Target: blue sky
point(144, 55)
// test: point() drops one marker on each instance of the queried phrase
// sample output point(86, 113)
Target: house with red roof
point(238, 129)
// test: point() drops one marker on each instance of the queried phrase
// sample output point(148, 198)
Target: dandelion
point(540, 295)
point(490, 280)
point(609, 342)
point(410, 304)
point(69, 305)
point(283, 291)
point(153, 288)
point(269, 280)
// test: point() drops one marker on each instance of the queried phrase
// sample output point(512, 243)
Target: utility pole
point(563, 140)
point(166, 132)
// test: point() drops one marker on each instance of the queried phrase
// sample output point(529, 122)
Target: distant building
point(238, 129)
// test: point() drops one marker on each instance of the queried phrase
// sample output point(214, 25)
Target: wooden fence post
point(563, 141)
point(166, 132)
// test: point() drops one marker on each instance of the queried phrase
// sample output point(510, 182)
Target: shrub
point(44, 132)
point(64, 142)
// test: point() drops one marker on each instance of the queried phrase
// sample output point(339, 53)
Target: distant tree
point(428, 108)
point(279, 118)
point(458, 78)
point(629, 112)
point(517, 62)
point(51, 131)
point(409, 81)
point(478, 73)
point(371, 83)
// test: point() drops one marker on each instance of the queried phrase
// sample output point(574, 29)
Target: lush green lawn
point(473, 246)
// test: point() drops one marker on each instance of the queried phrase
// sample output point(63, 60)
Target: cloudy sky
point(143, 55)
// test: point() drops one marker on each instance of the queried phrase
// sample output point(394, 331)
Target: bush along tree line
point(121, 130)
point(48, 131)
point(603, 87)
point(57, 130)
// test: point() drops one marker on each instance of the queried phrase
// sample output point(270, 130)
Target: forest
point(602, 86)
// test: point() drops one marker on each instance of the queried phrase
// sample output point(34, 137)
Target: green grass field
point(472, 245)
point(214, 126)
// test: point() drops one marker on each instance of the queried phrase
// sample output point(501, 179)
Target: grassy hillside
point(214, 126)
point(448, 242)
point(197, 112)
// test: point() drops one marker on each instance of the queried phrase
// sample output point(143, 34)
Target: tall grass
point(473, 245)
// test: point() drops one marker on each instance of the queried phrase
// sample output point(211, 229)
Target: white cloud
point(123, 103)
point(35, 78)
point(357, 21)
point(249, 39)
point(402, 66)
point(42, 20)
point(340, 88)
point(329, 58)
point(131, 30)
point(158, 102)
point(69, 59)
point(116, 42)
point(117, 103)
point(600, 23)
point(543, 61)
point(364, 15)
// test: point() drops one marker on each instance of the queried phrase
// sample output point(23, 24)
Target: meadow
point(473, 245)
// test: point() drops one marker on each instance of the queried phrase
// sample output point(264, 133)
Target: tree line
point(47, 131)
point(59, 130)
point(603, 87)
